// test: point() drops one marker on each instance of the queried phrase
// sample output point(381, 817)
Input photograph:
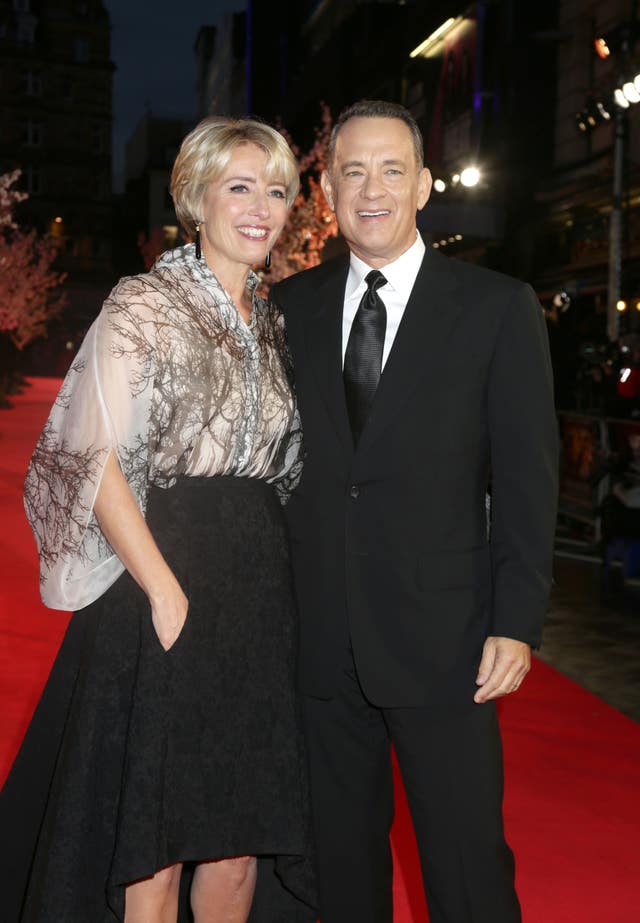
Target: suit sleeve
point(276, 295)
point(524, 461)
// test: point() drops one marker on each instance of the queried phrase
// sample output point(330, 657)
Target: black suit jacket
point(389, 541)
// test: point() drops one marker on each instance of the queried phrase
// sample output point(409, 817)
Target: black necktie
point(363, 357)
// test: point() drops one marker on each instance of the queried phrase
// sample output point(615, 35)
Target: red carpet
point(572, 802)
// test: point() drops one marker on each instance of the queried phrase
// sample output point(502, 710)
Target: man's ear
point(425, 182)
point(327, 188)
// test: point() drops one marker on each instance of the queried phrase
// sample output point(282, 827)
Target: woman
point(170, 709)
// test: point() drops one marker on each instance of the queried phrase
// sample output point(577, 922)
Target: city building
point(146, 208)
point(588, 244)
point(221, 66)
point(55, 123)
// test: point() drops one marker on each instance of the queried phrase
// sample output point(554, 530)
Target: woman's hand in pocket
point(125, 529)
point(168, 614)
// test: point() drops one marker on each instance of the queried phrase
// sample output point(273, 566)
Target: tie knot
point(375, 280)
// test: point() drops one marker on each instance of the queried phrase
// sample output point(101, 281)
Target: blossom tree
point(29, 296)
point(311, 222)
point(151, 247)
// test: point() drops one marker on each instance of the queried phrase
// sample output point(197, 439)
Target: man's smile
point(377, 213)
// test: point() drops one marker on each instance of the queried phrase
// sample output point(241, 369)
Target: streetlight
point(630, 91)
point(595, 112)
point(470, 176)
point(621, 99)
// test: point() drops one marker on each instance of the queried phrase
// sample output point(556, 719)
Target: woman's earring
point(198, 248)
point(267, 259)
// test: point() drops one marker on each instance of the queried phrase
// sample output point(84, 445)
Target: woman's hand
point(168, 614)
point(126, 531)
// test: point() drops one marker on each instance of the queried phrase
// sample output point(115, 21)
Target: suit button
point(354, 491)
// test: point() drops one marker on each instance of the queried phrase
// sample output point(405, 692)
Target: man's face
point(375, 187)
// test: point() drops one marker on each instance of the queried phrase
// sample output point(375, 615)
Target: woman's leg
point(154, 900)
point(222, 890)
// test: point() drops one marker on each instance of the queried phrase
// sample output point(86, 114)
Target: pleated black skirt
point(138, 758)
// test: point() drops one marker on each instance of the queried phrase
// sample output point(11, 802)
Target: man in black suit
point(420, 379)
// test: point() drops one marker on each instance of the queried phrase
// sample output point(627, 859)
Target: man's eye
point(353, 173)
point(394, 172)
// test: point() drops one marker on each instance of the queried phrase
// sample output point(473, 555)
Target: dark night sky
point(152, 48)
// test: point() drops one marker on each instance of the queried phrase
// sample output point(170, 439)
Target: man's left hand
point(505, 663)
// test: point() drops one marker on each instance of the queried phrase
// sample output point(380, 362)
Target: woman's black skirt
point(138, 758)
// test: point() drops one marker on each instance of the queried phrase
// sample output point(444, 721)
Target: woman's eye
point(239, 187)
point(278, 193)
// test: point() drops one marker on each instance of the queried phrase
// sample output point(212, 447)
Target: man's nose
point(372, 187)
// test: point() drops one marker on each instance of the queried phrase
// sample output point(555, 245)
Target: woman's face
point(242, 213)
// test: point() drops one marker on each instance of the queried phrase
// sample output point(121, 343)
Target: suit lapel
point(427, 323)
point(323, 332)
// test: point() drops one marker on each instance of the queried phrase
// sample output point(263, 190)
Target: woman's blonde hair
point(206, 151)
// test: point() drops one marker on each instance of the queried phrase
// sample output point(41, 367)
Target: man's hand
point(505, 663)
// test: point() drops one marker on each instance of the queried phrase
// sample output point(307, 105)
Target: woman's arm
point(126, 531)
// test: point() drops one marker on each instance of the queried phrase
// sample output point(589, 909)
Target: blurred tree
point(311, 222)
point(28, 285)
point(151, 247)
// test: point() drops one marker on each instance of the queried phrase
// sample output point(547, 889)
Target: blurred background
point(531, 117)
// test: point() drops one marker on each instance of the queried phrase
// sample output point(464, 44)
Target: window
point(81, 50)
point(170, 235)
point(32, 134)
point(33, 178)
point(32, 84)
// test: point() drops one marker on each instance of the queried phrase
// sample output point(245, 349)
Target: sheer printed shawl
point(172, 381)
point(104, 404)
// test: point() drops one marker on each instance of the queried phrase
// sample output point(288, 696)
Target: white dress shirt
point(400, 275)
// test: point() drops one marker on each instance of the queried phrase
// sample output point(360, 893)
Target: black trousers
point(451, 765)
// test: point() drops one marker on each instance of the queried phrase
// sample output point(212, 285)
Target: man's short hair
point(207, 150)
point(377, 109)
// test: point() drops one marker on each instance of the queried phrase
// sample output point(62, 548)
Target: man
point(418, 377)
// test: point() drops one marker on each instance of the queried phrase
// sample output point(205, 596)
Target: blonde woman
point(170, 762)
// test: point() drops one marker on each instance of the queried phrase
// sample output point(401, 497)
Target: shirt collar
point(400, 273)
